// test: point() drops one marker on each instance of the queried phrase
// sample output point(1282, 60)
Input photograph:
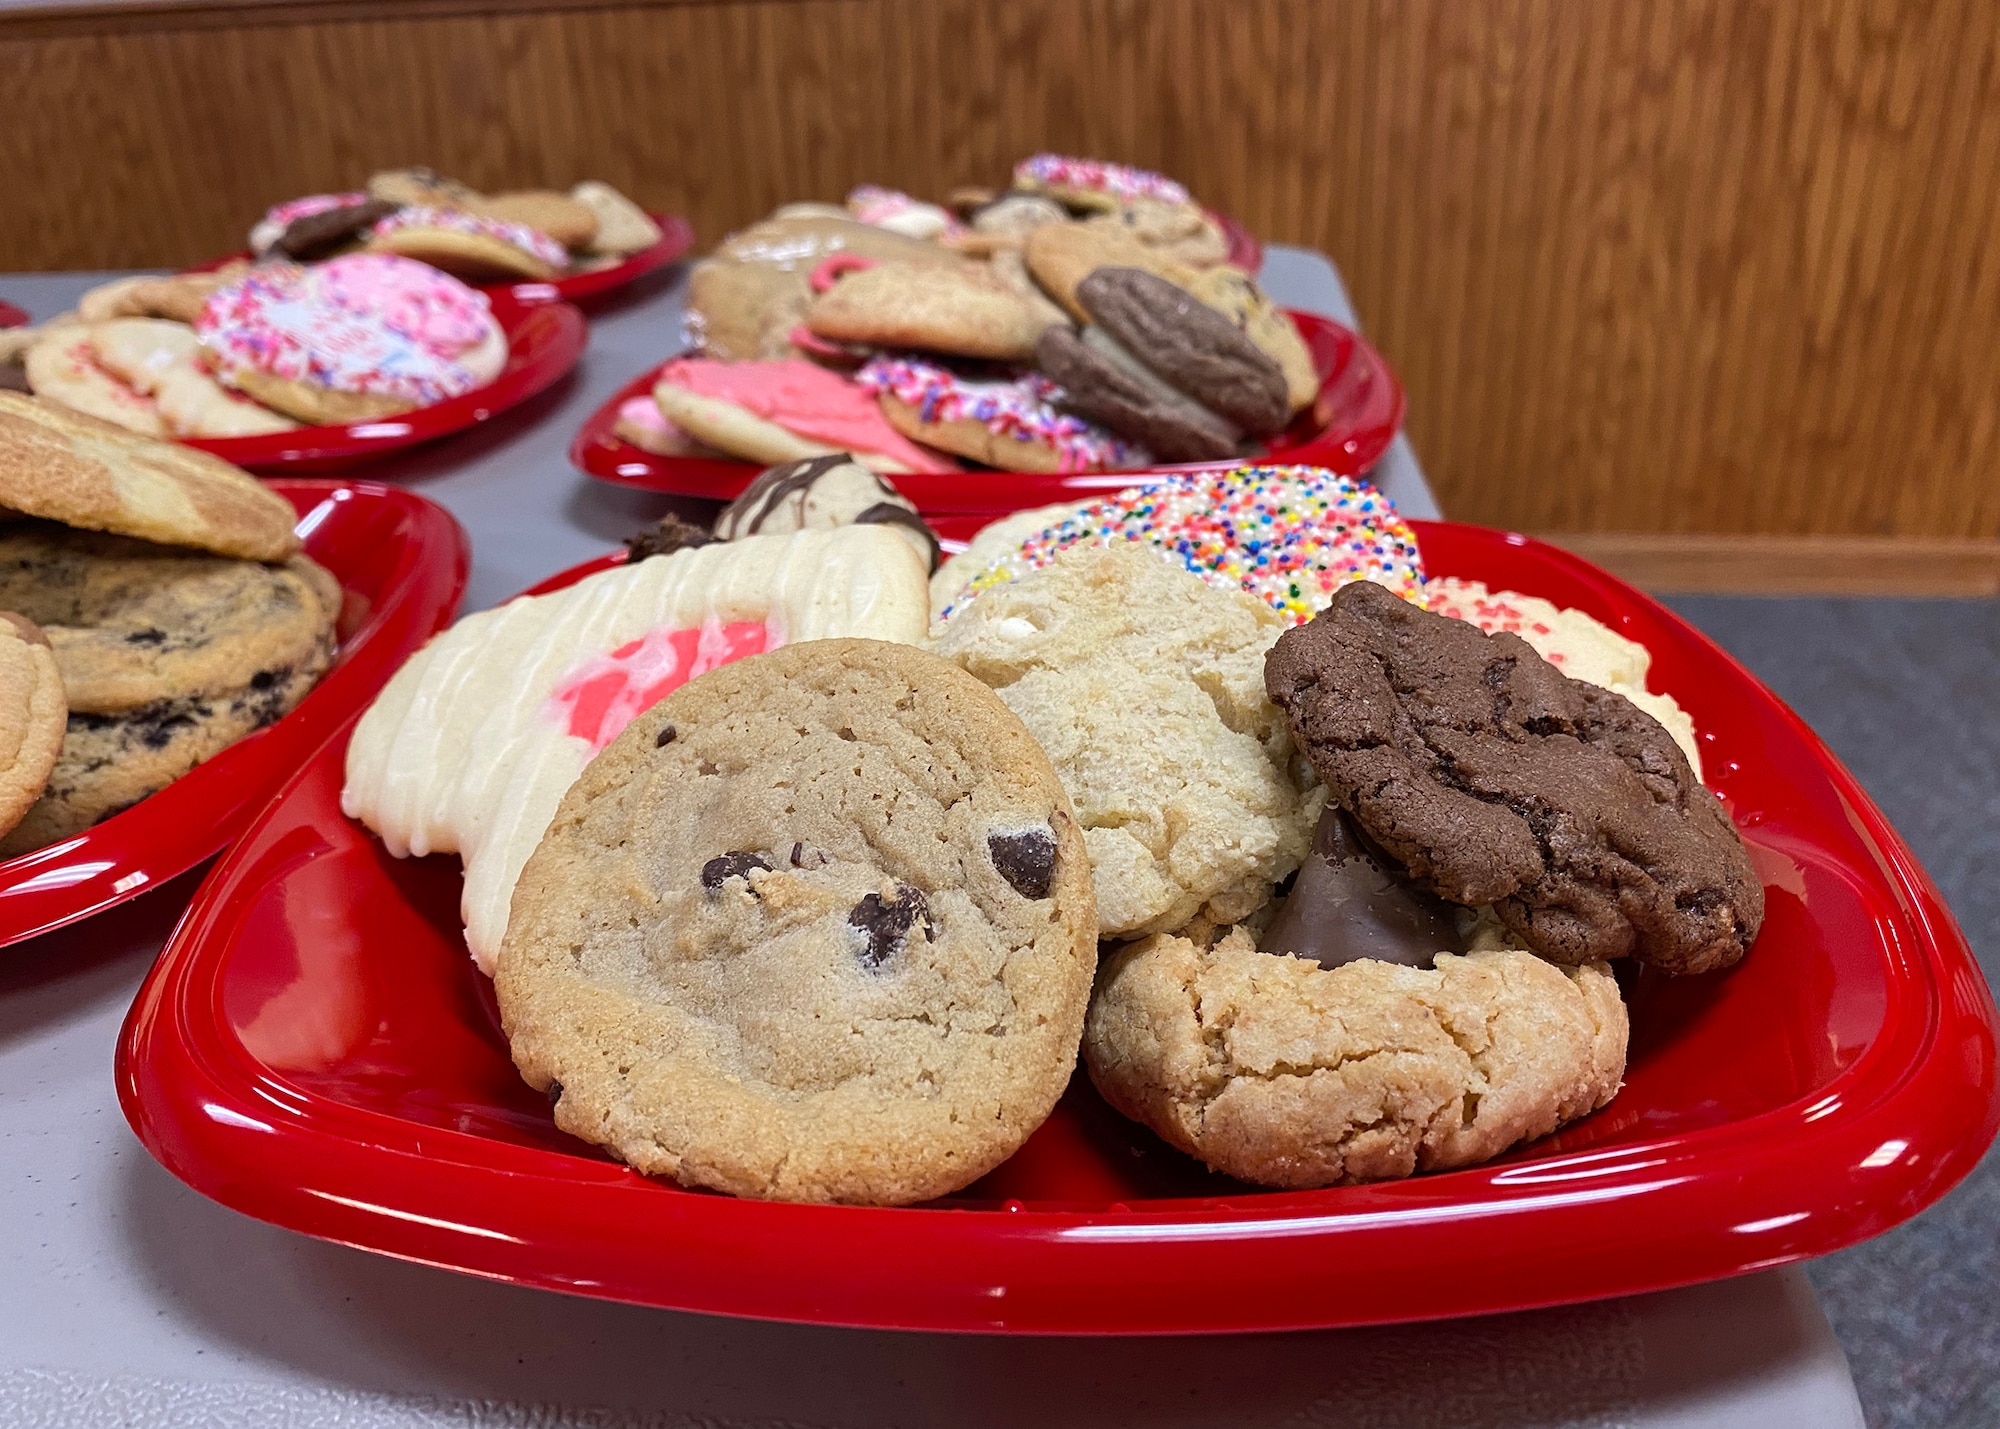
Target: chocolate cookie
point(1192, 347)
point(323, 234)
point(1491, 777)
point(817, 926)
point(1104, 384)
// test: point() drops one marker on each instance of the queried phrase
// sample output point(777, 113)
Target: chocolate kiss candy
point(1346, 904)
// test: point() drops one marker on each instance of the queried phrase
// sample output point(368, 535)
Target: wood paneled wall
point(1645, 265)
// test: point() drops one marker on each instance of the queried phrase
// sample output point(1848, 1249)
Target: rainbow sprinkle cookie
point(1019, 409)
point(1289, 535)
point(1119, 181)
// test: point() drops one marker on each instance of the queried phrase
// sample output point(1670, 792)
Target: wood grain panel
point(1793, 565)
point(1654, 265)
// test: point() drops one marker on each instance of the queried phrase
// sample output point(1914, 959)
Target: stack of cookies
point(156, 610)
point(525, 234)
point(1083, 319)
point(799, 900)
point(250, 351)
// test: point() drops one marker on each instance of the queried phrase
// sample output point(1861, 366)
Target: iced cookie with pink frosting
point(787, 410)
point(1093, 183)
point(352, 340)
point(645, 426)
point(899, 213)
point(1009, 422)
point(475, 247)
point(317, 226)
point(473, 743)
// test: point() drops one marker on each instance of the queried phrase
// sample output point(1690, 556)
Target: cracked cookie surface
point(1274, 1070)
point(1491, 777)
point(1145, 686)
point(817, 926)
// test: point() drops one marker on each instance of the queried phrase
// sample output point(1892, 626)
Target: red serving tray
point(402, 561)
point(314, 1048)
point(544, 340)
point(1357, 414)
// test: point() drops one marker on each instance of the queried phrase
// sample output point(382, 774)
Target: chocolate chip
point(151, 635)
point(888, 923)
point(665, 737)
point(555, 1091)
point(735, 864)
point(797, 850)
point(1027, 860)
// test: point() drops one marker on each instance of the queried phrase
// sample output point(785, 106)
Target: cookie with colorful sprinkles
point(1093, 183)
point(1289, 535)
point(1010, 424)
point(472, 246)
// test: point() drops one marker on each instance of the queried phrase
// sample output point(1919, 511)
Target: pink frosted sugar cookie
point(271, 227)
point(645, 426)
point(899, 213)
point(1009, 424)
point(469, 246)
point(352, 340)
point(788, 410)
point(1093, 182)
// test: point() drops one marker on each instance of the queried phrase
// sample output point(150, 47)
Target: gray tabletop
point(125, 1298)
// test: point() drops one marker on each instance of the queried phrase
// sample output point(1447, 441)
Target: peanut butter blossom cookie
point(1289, 535)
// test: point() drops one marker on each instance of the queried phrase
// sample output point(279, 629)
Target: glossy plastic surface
point(544, 340)
point(583, 289)
point(1349, 425)
point(402, 561)
point(11, 316)
point(315, 1048)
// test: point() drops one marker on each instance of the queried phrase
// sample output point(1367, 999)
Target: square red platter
point(401, 560)
point(314, 1048)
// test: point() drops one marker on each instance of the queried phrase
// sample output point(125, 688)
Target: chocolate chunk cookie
point(818, 926)
point(1277, 1071)
point(133, 623)
point(110, 762)
point(1493, 778)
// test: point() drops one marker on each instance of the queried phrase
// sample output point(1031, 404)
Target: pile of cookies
point(803, 876)
point(1084, 319)
point(154, 609)
point(249, 351)
point(525, 234)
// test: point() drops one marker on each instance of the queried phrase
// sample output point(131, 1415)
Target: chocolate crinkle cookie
point(1491, 777)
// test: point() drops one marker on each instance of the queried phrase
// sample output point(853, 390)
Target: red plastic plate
point(402, 561)
point(11, 316)
point(314, 1048)
point(544, 341)
point(1350, 424)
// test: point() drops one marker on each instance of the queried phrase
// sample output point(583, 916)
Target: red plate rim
point(1799, 1180)
point(1357, 385)
point(165, 835)
point(11, 316)
point(544, 341)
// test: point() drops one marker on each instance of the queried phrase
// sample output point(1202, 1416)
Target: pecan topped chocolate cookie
point(1491, 777)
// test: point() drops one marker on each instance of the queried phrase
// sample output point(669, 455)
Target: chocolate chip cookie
point(1279, 1071)
point(133, 623)
point(818, 926)
point(110, 762)
point(1491, 777)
